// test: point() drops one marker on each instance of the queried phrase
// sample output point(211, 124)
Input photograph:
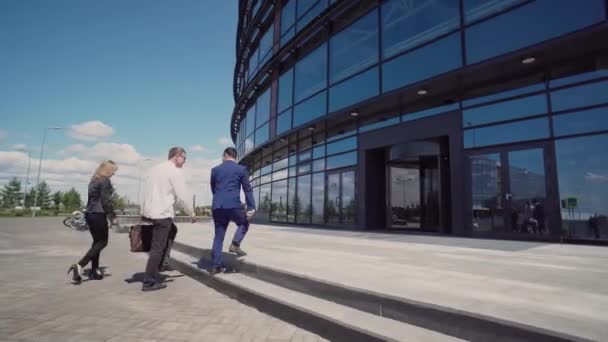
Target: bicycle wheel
point(66, 222)
point(78, 225)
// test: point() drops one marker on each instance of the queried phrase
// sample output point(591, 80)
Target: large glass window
point(293, 200)
point(586, 76)
point(582, 167)
point(302, 205)
point(406, 24)
point(585, 95)
point(253, 64)
point(342, 160)
point(266, 45)
point(303, 6)
point(354, 90)
point(354, 48)
point(504, 94)
point(520, 28)
point(263, 208)
point(285, 90)
point(475, 10)
point(284, 122)
point(318, 198)
point(250, 120)
point(279, 201)
point(310, 109)
point(581, 122)
point(507, 133)
point(263, 108)
point(262, 135)
point(507, 110)
point(288, 16)
point(428, 61)
point(429, 112)
point(311, 73)
point(342, 145)
point(349, 205)
point(333, 198)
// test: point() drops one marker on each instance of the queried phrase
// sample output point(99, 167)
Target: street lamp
point(27, 173)
point(40, 166)
point(139, 180)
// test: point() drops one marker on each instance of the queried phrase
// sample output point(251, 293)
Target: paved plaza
point(37, 302)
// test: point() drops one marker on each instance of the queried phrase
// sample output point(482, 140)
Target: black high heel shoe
point(76, 270)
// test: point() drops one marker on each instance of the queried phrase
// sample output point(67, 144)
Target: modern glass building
point(484, 118)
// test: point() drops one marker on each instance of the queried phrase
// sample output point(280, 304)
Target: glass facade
point(537, 142)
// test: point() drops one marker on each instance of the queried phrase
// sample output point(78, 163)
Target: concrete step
point(331, 320)
point(430, 317)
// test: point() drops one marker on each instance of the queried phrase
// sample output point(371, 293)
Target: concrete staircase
point(344, 313)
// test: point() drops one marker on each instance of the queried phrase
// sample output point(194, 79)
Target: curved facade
point(463, 117)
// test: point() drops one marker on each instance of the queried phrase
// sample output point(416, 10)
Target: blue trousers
point(221, 219)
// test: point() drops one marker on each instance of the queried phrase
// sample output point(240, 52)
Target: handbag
point(140, 237)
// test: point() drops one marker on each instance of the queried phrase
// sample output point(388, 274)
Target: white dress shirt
point(164, 184)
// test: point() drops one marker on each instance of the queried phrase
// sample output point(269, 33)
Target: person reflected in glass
point(539, 216)
point(99, 210)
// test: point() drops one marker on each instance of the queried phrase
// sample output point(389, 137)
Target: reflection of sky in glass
point(354, 90)
point(504, 94)
point(582, 165)
point(406, 24)
point(520, 27)
point(578, 78)
point(310, 73)
point(585, 95)
point(342, 160)
point(354, 48)
point(507, 133)
point(581, 122)
point(310, 109)
point(507, 110)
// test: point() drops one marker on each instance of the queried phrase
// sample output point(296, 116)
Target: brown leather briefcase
point(140, 237)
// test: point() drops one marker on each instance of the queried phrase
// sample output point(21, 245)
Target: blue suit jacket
point(226, 182)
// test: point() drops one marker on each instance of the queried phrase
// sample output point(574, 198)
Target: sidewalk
point(563, 288)
point(37, 302)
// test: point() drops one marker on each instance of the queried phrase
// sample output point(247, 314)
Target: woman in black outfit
point(99, 209)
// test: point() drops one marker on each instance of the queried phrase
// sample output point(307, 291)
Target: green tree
point(72, 200)
point(57, 199)
point(44, 196)
point(29, 198)
point(119, 202)
point(11, 194)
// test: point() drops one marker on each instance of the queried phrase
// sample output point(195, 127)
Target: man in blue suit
point(226, 182)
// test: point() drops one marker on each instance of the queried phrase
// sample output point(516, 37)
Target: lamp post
point(27, 174)
point(139, 180)
point(40, 166)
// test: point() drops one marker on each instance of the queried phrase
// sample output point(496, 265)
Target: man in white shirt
point(164, 184)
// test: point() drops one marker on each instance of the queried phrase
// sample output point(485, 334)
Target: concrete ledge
point(445, 320)
point(320, 324)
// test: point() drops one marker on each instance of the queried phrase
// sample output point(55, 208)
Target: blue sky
point(148, 75)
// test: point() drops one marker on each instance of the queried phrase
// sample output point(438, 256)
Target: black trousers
point(158, 247)
point(98, 226)
point(170, 239)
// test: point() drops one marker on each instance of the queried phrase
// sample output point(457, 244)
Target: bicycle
point(76, 221)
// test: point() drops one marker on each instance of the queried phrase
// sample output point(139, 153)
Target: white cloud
point(226, 141)
point(197, 148)
point(19, 147)
point(3, 134)
point(75, 171)
point(76, 148)
point(594, 177)
point(91, 131)
point(120, 153)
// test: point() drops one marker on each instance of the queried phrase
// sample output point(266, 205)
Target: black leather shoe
point(153, 287)
point(216, 270)
point(76, 270)
point(95, 275)
point(236, 249)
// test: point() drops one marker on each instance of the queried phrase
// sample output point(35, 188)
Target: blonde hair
point(104, 170)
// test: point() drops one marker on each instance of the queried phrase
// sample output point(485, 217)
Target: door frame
point(552, 207)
